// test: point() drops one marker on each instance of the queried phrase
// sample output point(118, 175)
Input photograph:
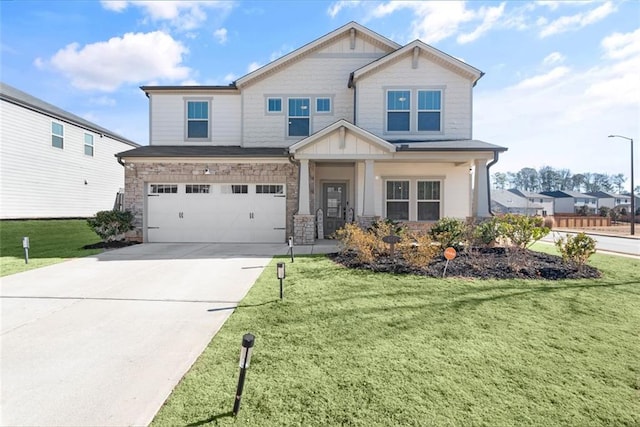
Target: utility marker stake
point(291, 247)
point(25, 245)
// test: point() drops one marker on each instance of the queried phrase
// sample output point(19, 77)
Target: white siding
point(456, 191)
point(456, 109)
point(41, 181)
point(323, 73)
point(168, 118)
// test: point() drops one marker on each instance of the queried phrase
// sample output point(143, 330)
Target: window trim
point(274, 112)
point(418, 111)
point(92, 145)
point(327, 98)
point(55, 135)
point(413, 195)
point(419, 200)
point(209, 101)
point(413, 109)
point(407, 200)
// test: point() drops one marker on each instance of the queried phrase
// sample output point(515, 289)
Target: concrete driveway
point(102, 341)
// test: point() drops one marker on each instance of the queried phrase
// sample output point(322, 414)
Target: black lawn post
point(281, 274)
point(291, 247)
point(245, 356)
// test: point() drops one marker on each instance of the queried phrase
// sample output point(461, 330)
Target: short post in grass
point(245, 358)
point(25, 246)
point(281, 274)
point(449, 254)
point(291, 247)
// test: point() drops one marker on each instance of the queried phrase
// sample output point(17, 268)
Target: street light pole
point(633, 197)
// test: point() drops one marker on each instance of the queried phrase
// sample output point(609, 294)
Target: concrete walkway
point(103, 340)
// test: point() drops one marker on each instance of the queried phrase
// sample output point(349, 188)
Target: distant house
point(504, 201)
point(54, 164)
point(611, 200)
point(568, 202)
point(545, 201)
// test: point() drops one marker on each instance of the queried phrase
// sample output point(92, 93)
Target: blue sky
point(560, 75)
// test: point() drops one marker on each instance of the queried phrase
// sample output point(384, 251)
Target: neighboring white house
point(569, 202)
point(54, 164)
point(352, 125)
point(540, 199)
point(506, 201)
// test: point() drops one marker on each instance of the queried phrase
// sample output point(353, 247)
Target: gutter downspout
point(496, 155)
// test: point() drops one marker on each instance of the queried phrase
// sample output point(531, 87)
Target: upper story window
point(398, 110)
point(423, 113)
point(298, 119)
point(429, 108)
point(88, 144)
point(57, 135)
point(274, 105)
point(198, 119)
point(323, 105)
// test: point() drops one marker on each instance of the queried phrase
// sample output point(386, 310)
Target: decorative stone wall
point(304, 229)
point(138, 174)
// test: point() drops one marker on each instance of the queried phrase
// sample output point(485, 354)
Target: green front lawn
point(357, 348)
point(51, 241)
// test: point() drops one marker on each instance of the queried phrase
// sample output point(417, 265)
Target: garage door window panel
point(163, 188)
point(198, 189)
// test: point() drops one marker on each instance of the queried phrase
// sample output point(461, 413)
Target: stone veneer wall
point(137, 175)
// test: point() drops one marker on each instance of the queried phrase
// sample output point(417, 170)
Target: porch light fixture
point(207, 171)
point(245, 357)
point(281, 274)
point(291, 247)
point(633, 197)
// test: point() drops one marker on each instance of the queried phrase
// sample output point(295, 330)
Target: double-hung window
point(323, 105)
point(198, 119)
point(429, 110)
point(57, 135)
point(399, 111)
point(428, 200)
point(274, 105)
point(398, 200)
point(88, 144)
point(298, 117)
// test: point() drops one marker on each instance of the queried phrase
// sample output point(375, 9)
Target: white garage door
point(216, 213)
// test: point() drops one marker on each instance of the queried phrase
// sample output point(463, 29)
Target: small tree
point(604, 211)
point(582, 210)
point(110, 224)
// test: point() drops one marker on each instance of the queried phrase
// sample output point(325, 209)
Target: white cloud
point(189, 82)
point(554, 58)
point(337, 7)
point(220, 35)
point(182, 15)
point(563, 117)
point(134, 58)
point(577, 21)
point(620, 45)
point(543, 80)
point(104, 101)
point(490, 17)
point(253, 66)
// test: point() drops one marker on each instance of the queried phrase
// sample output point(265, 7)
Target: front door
point(335, 207)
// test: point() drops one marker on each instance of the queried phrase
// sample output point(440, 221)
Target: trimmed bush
point(109, 225)
point(417, 250)
point(576, 249)
point(487, 232)
point(522, 231)
point(449, 232)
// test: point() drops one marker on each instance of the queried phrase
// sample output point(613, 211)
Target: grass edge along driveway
point(348, 347)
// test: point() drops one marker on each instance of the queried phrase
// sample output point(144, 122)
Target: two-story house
point(54, 164)
point(568, 202)
point(507, 201)
point(543, 200)
point(352, 125)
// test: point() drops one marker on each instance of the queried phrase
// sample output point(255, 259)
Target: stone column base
point(304, 229)
point(366, 221)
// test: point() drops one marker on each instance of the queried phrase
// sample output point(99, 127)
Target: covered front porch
point(350, 175)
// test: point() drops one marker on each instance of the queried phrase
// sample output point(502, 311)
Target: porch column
point(369, 193)
point(303, 191)
point(480, 206)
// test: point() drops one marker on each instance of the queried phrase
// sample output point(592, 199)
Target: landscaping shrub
point(362, 242)
point(417, 250)
point(522, 231)
point(576, 249)
point(111, 224)
point(582, 210)
point(604, 211)
point(449, 232)
point(487, 232)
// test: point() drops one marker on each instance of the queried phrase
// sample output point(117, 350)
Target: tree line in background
point(550, 179)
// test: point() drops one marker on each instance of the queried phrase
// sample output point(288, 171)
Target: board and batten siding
point(457, 97)
point(324, 73)
point(168, 118)
point(41, 181)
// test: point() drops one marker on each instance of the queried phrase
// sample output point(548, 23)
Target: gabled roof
point(566, 193)
point(529, 194)
point(11, 94)
point(601, 194)
point(368, 136)
point(438, 56)
point(509, 199)
point(304, 50)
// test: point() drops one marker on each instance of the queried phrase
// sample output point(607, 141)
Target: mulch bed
point(116, 244)
point(491, 263)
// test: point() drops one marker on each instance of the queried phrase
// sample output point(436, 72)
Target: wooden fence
point(562, 221)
